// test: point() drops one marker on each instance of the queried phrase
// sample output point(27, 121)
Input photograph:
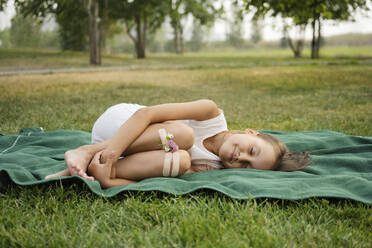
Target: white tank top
point(203, 130)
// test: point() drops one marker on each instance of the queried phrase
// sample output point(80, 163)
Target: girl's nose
point(244, 157)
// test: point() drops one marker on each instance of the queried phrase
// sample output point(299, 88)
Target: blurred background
point(141, 28)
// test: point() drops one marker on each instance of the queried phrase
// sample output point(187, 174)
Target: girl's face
point(247, 151)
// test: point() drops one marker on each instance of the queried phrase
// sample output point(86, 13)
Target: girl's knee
point(185, 161)
point(183, 134)
point(176, 164)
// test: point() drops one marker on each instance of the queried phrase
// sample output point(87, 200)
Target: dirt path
point(87, 69)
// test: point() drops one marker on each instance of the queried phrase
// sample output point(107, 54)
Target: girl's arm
point(197, 110)
point(199, 167)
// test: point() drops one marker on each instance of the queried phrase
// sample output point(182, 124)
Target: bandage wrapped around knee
point(172, 156)
point(174, 160)
point(167, 141)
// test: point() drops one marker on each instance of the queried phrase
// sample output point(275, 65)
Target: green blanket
point(341, 168)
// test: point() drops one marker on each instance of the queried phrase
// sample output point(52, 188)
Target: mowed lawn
point(21, 59)
point(285, 96)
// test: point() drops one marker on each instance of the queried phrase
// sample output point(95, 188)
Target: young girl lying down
point(131, 142)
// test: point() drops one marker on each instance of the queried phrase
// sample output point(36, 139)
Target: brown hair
point(285, 160)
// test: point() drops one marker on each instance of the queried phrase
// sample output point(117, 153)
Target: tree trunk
point(181, 40)
point(313, 40)
point(295, 47)
point(141, 29)
point(175, 38)
point(144, 35)
point(139, 42)
point(318, 39)
point(131, 36)
point(94, 49)
point(103, 26)
point(97, 40)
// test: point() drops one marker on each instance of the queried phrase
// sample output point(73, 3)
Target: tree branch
point(129, 33)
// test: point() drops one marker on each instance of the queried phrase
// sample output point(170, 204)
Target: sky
point(271, 28)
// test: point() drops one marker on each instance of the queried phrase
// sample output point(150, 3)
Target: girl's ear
point(251, 131)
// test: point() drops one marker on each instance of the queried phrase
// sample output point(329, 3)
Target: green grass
point(15, 59)
point(70, 216)
point(283, 96)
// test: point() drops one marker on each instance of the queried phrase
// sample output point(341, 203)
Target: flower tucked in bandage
point(167, 141)
point(171, 146)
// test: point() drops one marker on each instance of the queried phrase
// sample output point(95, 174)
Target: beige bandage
point(167, 164)
point(169, 158)
point(175, 164)
point(174, 159)
point(162, 134)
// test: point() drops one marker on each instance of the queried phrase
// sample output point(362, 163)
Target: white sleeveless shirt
point(203, 130)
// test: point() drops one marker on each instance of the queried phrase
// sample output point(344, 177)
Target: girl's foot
point(77, 161)
point(59, 174)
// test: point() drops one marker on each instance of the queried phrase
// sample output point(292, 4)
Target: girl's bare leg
point(139, 166)
point(148, 164)
point(77, 160)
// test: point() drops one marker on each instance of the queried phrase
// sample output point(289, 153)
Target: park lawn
point(278, 97)
point(23, 59)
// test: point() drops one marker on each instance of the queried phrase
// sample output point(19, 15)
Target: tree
point(235, 32)
point(308, 12)
point(196, 41)
point(72, 20)
point(140, 18)
point(339, 10)
point(296, 45)
point(256, 35)
point(3, 4)
point(40, 8)
point(92, 9)
point(203, 11)
point(24, 31)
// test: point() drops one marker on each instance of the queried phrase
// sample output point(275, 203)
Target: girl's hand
point(101, 171)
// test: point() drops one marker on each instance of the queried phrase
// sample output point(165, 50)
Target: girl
point(131, 142)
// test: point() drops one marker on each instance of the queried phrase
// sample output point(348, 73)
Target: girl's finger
point(110, 158)
point(96, 158)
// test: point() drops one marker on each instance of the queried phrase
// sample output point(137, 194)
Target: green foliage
point(73, 22)
point(37, 8)
point(25, 31)
point(128, 11)
point(69, 15)
point(140, 18)
point(204, 11)
point(235, 33)
point(156, 41)
point(5, 38)
point(196, 40)
point(303, 11)
point(256, 35)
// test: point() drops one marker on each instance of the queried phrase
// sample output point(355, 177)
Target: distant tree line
point(141, 18)
point(306, 12)
point(92, 22)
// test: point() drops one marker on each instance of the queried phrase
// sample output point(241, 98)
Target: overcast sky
point(271, 30)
